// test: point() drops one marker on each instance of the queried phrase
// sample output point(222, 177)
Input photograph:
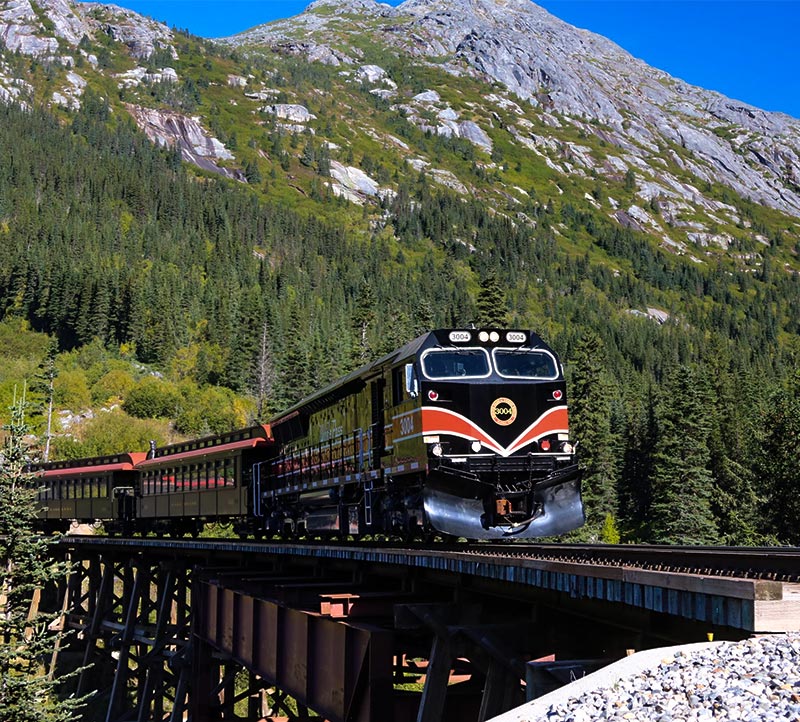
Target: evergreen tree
point(492, 306)
point(362, 325)
point(252, 172)
point(27, 693)
point(735, 502)
point(294, 372)
point(682, 482)
point(636, 416)
point(43, 385)
point(590, 425)
point(263, 373)
point(778, 463)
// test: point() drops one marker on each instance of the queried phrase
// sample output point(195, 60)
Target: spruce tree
point(735, 502)
point(778, 463)
point(27, 692)
point(362, 323)
point(43, 384)
point(590, 424)
point(492, 305)
point(682, 482)
point(634, 490)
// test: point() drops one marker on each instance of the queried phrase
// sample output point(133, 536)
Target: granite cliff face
point(586, 78)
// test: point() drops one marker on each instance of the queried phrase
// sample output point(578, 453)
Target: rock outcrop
point(194, 142)
point(39, 29)
point(291, 112)
point(21, 26)
point(141, 35)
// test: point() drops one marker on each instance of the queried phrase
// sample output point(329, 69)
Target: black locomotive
point(460, 432)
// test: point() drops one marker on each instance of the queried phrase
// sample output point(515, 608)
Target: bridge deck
point(748, 605)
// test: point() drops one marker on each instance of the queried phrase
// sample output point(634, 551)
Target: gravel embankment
point(756, 680)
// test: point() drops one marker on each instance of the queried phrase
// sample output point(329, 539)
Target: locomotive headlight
point(483, 336)
point(475, 446)
point(494, 337)
point(567, 448)
point(436, 449)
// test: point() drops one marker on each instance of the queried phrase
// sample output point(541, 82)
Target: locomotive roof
point(356, 380)
point(353, 381)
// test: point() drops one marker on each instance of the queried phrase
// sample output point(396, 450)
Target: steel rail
point(767, 563)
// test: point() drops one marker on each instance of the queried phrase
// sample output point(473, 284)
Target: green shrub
point(212, 410)
point(112, 386)
point(71, 390)
point(153, 398)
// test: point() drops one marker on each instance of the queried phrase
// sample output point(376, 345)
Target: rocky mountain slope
point(555, 67)
point(544, 105)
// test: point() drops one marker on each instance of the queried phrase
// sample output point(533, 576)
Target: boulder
point(290, 111)
point(370, 73)
point(472, 132)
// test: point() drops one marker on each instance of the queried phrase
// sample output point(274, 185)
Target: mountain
point(641, 112)
point(547, 75)
point(548, 129)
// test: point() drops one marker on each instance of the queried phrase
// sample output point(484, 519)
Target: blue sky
point(745, 49)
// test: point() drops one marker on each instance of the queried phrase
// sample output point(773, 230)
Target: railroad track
point(768, 563)
point(780, 564)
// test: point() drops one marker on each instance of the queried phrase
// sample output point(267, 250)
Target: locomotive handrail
point(325, 459)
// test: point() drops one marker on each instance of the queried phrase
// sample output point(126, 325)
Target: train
point(459, 433)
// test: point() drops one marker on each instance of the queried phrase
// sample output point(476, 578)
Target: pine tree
point(27, 693)
point(293, 380)
point(735, 502)
point(590, 424)
point(362, 324)
point(682, 482)
point(778, 463)
point(43, 384)
point(634, 489)
point(263, 373)
point(492, 306)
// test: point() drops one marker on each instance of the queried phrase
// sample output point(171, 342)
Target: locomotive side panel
point(324, 453)
point(406, 452)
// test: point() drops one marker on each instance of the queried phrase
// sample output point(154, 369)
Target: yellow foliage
point(71, 390)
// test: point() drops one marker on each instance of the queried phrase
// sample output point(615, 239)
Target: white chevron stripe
point(483, 436)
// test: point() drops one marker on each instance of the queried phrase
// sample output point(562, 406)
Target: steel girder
point(341, 670)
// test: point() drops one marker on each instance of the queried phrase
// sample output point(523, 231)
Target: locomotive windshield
point(461, 363)
point(525, 364)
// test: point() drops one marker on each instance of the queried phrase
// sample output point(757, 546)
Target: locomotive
point(461, 432)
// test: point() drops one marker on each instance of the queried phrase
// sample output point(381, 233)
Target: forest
point(150, 300)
